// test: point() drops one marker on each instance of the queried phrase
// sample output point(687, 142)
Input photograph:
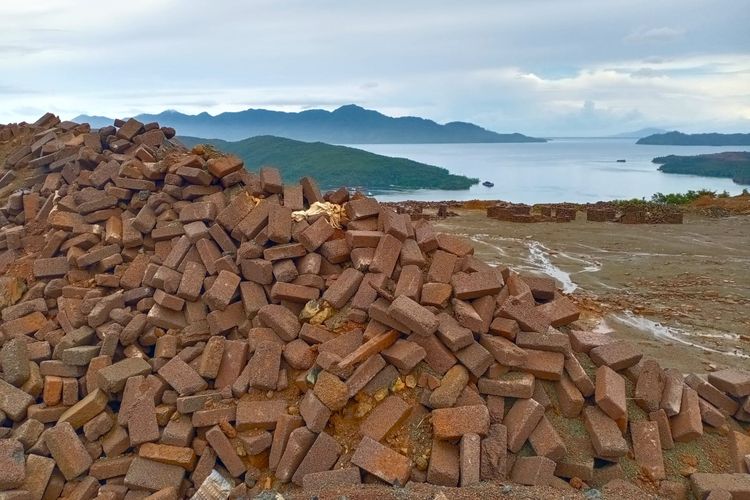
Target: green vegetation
point(671, 198)
point(679, 139)
point(335, 166)
point(685, 198)
point(735, 165)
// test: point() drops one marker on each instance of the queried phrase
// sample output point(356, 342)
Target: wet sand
point(681, 291)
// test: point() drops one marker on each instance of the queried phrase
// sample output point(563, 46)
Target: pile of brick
point(186, 327)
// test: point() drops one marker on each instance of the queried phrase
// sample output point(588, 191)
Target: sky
point(540, 67)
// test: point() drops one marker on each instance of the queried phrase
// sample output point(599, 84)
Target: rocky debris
point(173, 324)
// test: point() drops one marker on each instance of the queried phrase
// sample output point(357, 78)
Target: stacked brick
point(185, 319)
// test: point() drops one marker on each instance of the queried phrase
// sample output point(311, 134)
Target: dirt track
point(683, 291)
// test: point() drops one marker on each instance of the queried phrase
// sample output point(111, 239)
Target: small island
point(734, 165)
point(679, 139)
point(335, 166)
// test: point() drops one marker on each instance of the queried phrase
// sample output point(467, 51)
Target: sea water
point(575, 170)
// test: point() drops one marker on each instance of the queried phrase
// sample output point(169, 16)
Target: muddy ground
point(681, 291)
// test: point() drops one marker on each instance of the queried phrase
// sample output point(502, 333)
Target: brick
point(316, 234)
point(253, 298)
point(671, 397)
point(344, 288)
point(647, 449)
point(220, 293)
point(504, 351)
point(578, 375)
point(386, 255)
point(610, 393)
point(331, 479)
point(452, 423)
point(584, 341)
point(182, 377)
point(453, 335)
point(404, 355)
point(436, 294)
point(712, 394)
point(260, 414)
point(521, 420)
point(385, 417)
point(233, 359)
point(665, 430)
point(552, 340)
point(616, 355)
point(467, 316)
point(283, 321)
point(24, 325)
point(152, 475)
point(84, 410)
point(331, 391)
point(512, 385)
point(364, 373)
point(67, 450)
point(38, 472)
point(569, 397)
point(737, 485)
point(441, 268)
point(687, 424)
point(321, 456)
point(282, 252)
point(533, 471)
point(605, 435)
point(264, 365)
point(528, 317)
point(236, 211)
point(12, 462)
point(739, 449)
point(112, 378)
point(284, 427)
point(299, 442)
point(315, 413)
point(438, 357)
point(454, 244)
point(142, 424)
point(223, 166)
point(560, 311)
point(494, 451)
point(476, 358)
point(649, 387)
point(444, 467)
point(257, 270)
point(51, 268)
point(545, 365)
point(468, 286)
point(414, 316)
point(733, 381)
point(382, 462)
point(299, 355)
point(293, 293)
point(257, 442)
point(253, 223)
point(470, 453)
point(14, 360)
point(546, 442)
point(225, 451)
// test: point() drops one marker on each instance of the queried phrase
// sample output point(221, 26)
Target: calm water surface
point(575, 170)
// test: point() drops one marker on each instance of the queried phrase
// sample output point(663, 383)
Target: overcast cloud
point(544, 67)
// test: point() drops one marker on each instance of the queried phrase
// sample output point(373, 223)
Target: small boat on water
point(488, 184)
point(621, 161)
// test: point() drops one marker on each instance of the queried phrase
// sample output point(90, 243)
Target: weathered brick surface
point(382, 462)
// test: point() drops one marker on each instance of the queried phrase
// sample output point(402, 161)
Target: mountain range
point(350, 124)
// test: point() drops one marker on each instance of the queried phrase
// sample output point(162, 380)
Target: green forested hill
point(735, 165)
point(335, 166)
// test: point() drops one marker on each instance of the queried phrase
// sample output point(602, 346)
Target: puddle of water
point(670, 333)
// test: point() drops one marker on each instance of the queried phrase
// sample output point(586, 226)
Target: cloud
point(499, 64)
point(649, 35)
